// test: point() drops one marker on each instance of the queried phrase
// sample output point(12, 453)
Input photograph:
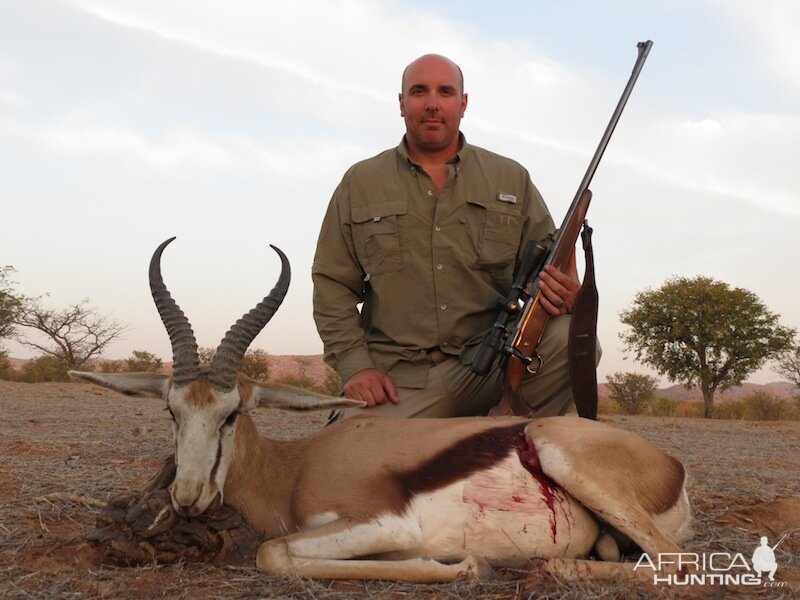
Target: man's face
point(432, 104)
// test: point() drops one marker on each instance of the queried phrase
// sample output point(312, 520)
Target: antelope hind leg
point(626, 481)
point(326, 553)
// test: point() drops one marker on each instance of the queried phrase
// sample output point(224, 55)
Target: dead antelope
point(424, 499)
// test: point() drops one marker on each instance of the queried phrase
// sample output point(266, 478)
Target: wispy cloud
point(772, 28)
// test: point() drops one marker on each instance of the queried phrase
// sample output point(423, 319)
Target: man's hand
point(559, 290)
point(371, 386)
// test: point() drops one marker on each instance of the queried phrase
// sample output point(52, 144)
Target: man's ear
point(402, 104)
point(130, 384)
point(464, 101)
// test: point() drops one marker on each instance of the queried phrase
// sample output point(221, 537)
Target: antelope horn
point(185, 359)
point(230, 353)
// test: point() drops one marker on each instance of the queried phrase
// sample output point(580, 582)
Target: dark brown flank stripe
point(474, 453)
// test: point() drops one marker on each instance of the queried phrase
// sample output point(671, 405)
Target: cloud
point(9, 97)
point(277, 36)
point(772, 28)
point(183, 152)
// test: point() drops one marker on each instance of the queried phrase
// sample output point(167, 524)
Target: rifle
point(522, 320)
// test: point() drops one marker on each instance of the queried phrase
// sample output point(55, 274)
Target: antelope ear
point(276, 395)
point(130, 384)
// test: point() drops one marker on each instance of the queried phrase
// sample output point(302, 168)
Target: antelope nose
point(185, 495)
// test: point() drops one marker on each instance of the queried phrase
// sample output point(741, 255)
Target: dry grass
point(69, 447)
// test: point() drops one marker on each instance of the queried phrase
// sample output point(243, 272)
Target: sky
point(229, 125)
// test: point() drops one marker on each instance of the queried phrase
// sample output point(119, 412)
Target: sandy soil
point(67, 448)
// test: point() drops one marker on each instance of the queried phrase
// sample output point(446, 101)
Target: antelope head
point(205, 401)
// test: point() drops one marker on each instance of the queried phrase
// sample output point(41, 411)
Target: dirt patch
point(68, 448)
point(772, 519)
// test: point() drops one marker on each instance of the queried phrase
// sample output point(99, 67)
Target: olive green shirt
point(429, 268)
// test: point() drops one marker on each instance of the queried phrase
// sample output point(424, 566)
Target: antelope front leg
point(327, 552)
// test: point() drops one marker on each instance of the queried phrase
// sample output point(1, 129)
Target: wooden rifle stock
point(520, 349)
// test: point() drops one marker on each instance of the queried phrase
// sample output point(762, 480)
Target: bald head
point(432, 103)
point(427, 61)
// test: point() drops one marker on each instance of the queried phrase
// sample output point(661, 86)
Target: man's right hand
point(371, 386)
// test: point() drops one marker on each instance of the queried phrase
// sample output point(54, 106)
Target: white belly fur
point(503, 515)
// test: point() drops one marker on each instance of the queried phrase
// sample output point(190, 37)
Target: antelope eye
point(231, 419)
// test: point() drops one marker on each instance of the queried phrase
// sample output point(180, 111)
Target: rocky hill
point(779, 389)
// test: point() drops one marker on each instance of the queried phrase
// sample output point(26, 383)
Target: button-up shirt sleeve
point(339, 288)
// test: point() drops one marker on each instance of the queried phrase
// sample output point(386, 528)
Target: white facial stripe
point(204, 445)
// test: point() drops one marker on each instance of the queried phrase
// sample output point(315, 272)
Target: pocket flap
point(496, 206)
point(378, 210)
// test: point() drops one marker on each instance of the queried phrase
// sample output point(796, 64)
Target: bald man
point(424, 238)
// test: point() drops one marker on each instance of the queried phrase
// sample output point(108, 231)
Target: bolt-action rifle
point(522, 319)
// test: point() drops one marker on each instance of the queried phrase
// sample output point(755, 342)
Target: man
point(426, 236)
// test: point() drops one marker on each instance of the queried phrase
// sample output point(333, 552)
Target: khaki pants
point(453, 390)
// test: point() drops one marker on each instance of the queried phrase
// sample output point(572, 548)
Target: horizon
point(125, 122)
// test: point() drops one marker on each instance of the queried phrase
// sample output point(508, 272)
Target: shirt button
point(443, 307)
point(439, 267)
point(437, 228)
point(430, 192)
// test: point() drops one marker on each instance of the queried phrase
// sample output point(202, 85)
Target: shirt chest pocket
point(376, 235)
point(499, 227)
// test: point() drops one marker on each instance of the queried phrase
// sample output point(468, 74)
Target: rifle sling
point(583, 337)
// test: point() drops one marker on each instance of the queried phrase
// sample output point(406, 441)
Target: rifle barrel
point(644, 50)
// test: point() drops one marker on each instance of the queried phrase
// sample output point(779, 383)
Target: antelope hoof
point(477, 567)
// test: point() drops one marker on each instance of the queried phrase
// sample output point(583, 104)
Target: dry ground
point(65, 446)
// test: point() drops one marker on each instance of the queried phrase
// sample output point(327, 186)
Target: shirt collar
point(402, 149)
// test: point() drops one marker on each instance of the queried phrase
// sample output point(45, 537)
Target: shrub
point(631, 391)
point(111, 366)
point(301, 381)
point(761, 406)
point(690, 409)
point(734, 409)
point(606, 406)
point(44, 368)
point(664, 407)
point(332, 386)
point(7, 372)
point(142, 361)
point(255, 363)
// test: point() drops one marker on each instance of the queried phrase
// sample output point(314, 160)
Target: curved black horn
point(230, 353)
point(185, 359)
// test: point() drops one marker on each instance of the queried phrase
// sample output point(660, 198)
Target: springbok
point(420, 500)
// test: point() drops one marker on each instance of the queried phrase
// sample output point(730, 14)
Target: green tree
point(631, 391)
point(699, 331)
point(142, 361)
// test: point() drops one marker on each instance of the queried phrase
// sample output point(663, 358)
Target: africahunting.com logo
point(715, 568)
